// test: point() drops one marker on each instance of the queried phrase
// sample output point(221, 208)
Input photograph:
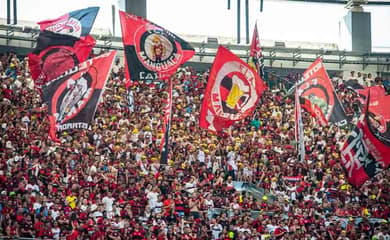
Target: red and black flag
point(232, 92)
point(366, 151)
point(72, 98)
point(317, 88)
point(76, 23)
point(151, 52)
point(56, 53)
point(63, 43)
point(256, 59)
point(164, 145)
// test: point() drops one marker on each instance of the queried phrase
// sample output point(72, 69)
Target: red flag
point(151, 52)
point(318, 89)
point(72, 98)
point(56, 53)
point(366, 151)
point(256, 59)
point(232, 92)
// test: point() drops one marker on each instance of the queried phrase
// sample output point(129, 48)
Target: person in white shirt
point(209, 203)
point(108, 202)
point(152, 196)
point(216, 229)
point(201, 156)
point(191, 185)
point(56, 230)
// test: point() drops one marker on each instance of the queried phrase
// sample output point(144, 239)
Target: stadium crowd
point(108, 183)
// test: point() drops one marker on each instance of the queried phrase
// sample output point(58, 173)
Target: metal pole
point(8, 11)
point(15, 13)
point(261, 5)
point(113, 19)
point(228, 4)
point(238, 21)
point(247, 21)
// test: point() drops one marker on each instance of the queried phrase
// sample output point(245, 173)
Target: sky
point(280, 20)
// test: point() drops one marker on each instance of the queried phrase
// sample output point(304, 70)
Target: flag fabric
point(367, 149)
point(313, 110)
point(232, 92)
point(151, 52)
point(76, 23)
point(256, 59)
point(56, 53)
point(72, 98)
point(353, 84)
point(299, 137)
point(318, 89)
point(164, 144)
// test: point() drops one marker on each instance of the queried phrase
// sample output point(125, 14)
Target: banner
point(318, 89)
point(256, 59)
point(76, 23)
point(72, 98)
point(366, 151)
point(151, 52)
point(56, 53)
point(299, 137)
point(164, 145)
point(232, 92)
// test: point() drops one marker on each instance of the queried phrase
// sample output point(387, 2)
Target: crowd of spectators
point(108, 183)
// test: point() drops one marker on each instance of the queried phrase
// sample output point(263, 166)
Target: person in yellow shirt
point(71, 200)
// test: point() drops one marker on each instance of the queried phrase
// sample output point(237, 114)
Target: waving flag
point(77, 23)
point(318, 89)
point(232, 92)
point(56, 53)
point(72, 98)
point(164, 145)
point(366, 151)
point(151, 52)
point(256, 59)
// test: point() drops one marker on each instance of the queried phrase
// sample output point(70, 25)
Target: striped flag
point(256, 59)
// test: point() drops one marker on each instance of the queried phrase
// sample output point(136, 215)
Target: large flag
point(318, 89)
point(299, 137)
point(56, 53)
point(256, 59)
point(72, 98)
point(151, 52)
point(76, 23)
point(232, 92)
point(366, 151)
point(164, 145)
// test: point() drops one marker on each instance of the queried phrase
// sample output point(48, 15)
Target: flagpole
point(299, 136)
point(165, 149)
